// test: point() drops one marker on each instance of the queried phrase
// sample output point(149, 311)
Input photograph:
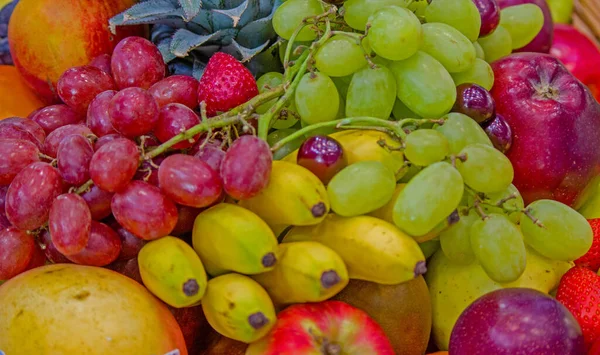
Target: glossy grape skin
point(212, 155)
point(52, 254)
point(137, 62)
point(69, 223)
point(21, 128)
point(78, 86)
point(486, 169)
point(114, 164)
point(357, 12)
point(480, 73)
point(425, 147)
point(176, 89)
point(323, 156)
point(15, 155)
point(130, 244)
point(74, 156)
point(490, 16)
point(523, 22)
point(133, 112)
point(174, 119)
point(340, 56)
point(103, 247)
point(400, 111)
point(317, 99)
point(500, 133)
point(53, 140)
point(98, 202)
point(98, 119)
point(185, 222)
point(148, 172)
point(144, 211)
point(246, 168)
point(479, 50)
point(54, 116)
point(456, 241)
point(497, 45)
point(475, 102)
point(105, 139)
point(291, 14)
point(372, 93)
point(460, 14)
point(395, 33)
point(102, 62)
point(189, 181)
point(460, 131)
point(31, 194)
point(448, 46)
point(16, 251)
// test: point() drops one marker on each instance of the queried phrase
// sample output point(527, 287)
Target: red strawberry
point(595, 350)
point(225, 84)
point(579, 291)
point(591, 259)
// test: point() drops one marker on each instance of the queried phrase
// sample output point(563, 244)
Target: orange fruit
point(16, 98)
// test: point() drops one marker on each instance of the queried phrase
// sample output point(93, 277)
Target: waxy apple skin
point(543, 41)
point(555, 123)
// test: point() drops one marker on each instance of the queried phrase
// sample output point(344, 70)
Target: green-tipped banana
point(231, 238)
point(294, 196)
point(172, 271)
point(238, 307)
point(372, 249)
point(306, 272)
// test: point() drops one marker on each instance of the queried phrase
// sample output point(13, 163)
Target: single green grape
point(429, 247)
point(428, 198)
point(496, 45)
point(486, 169)
point(400, 111)
point(448, 46)
point(566, 235)
point(498, 245)
point(317, 99)
point(480, 73)
point(340, 56)
point(342, 84)
point(278, 135)
point(372, 93)
point(269, 81)
point(514, 205)
point(479, 53)
point(461, 130)
point(357, 12)
point(361, 188)
point(395, 33)
point(290, 15)
point(426, 146)
point(456, 241)
point(460, 14)
point(424, 85)
point(523, 22)
point(418, 7)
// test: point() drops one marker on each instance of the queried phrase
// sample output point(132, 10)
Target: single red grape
point(53, 140)
point(70, 222)
point(16, 251)
point(212, 155)
point(144, 211)
point(98, 119)
point(78, 86)
point(130, 244)
point(180, 89)
point(15, 155)
point(174, 119)
point(475, 102)
point(500, 133)
point(105, 139)
point(102, 62)
point(137, 62)
point(103, 247)
point(38, 258)
point(31, 194)
point(133, 112)
point(189, 181)
point(490, 16)
point(323, 156)
point(98, 201)
point(201, 143)
point(74, 155)
point(4, 222)
point(54, 116)
point(246, 167)
point(113, 165)
point(52, 254)
point(129, 268)
point(185, 222)
point(22, 128)
point(148, 171)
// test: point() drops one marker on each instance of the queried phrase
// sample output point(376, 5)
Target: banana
point(172, 271)
point(306, 272)
point(294, 196)
point(364, 145)
point(238, 307)
point(231, 238)
point(372, 249)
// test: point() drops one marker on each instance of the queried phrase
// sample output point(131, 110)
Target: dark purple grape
point(55, 116)
point(323, 156)
point(490, 16)
point(74, 155)
point(500, 133)
point(475, 102)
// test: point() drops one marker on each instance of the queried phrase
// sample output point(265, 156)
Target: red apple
point(328, 328)
point(543, 41)
point(555, 123)
point(579, 54)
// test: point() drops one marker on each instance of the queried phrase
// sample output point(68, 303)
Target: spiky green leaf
point(235, 14)
point(184, 41)
point(190, 8)
point(151, 11)
point(256, 32)
point(242, 53)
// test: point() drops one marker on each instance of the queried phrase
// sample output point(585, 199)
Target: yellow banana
point(294, 196)
point(306, 272)
point(372, 249)
point(172, 271)
point(238, 307)
point(231, 238)
point(364, 145)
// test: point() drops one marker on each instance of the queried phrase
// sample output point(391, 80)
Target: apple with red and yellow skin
point(47, 37)
point(327, 328)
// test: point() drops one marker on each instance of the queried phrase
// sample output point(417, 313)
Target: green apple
point(561, 10)
point(453, 287)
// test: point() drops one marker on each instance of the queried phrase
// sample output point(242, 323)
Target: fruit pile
point(402, 139)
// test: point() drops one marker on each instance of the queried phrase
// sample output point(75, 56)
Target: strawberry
point(579, 291)
point(591, 259)
point(225, 84)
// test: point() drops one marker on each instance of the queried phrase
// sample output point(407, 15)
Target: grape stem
point(84, 188)
point(537, 222)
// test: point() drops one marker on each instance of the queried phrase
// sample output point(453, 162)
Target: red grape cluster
point(77, 183)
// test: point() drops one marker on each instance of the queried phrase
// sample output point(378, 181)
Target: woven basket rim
point(586, 17)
